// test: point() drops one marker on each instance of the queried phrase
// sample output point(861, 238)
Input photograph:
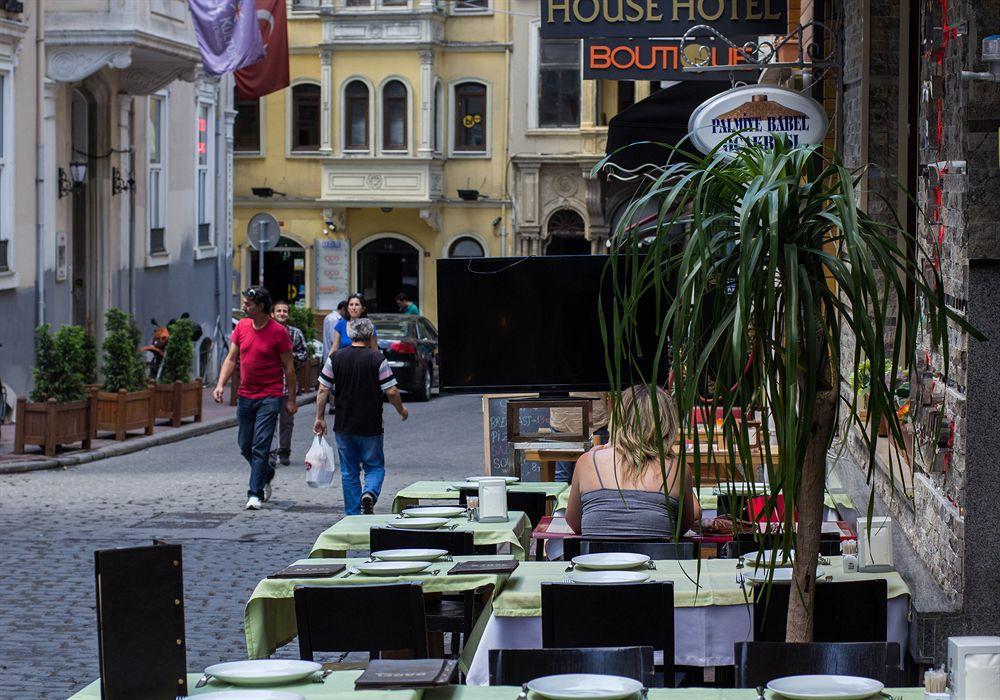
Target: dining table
point(712, 610)
point(353, 532)
point(419, 491)
point(269, 614)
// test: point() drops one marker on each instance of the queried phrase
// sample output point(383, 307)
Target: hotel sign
point(576, 19)
point(755, 114)
point(660, 59)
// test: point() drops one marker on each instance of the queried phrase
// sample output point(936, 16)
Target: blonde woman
point(620, 491)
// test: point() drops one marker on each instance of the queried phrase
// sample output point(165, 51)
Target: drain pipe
point(39, 171)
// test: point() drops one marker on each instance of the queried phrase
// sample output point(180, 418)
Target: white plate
point(263, 671)
point(391, 568)
point(608, 576)
point(477, 479)
point(780, 575)
point(434, 511)
point(611, 560)
point(410, 554)
point(572, 686)
point(418, 523)
point(825, 687)
point(251, 695)
point(766, 556)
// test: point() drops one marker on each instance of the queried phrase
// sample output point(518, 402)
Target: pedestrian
point(329, 322)
point(406, 306)
point(356, 308)
point(358, 376)
point(286, 421)
point(264, 351)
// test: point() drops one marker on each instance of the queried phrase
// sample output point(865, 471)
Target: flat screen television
point(530, 324)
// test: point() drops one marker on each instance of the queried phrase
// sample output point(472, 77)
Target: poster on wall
point(333, 268)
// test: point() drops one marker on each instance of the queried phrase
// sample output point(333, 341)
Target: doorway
point(284, 271)
point(566, 234)
point(386, 267)
point(84, 284)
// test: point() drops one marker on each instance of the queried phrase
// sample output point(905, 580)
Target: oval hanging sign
point(755, 114)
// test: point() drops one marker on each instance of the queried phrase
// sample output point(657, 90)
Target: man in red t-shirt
point(265, 357)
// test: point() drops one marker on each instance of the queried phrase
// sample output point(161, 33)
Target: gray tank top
point(627, 512)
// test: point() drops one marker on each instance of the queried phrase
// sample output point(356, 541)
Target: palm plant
point(778, 261)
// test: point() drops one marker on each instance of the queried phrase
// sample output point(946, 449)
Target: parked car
point(410, 344)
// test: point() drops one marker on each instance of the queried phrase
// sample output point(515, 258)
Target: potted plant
point(175, 396)
point(304, 318)
point(59, 411)
point(124, 402)
point(775, 261)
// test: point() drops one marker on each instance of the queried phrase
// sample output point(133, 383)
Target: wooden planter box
point(51, 423)
point(123, 411)
point(307, 374)
point(177, 401)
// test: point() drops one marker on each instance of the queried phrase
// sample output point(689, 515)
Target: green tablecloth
point(339, 685)
point(709, 499)
point(269, 616)
point(353, 532)
point(445, 490)
point(714, 584)
point(500, 692)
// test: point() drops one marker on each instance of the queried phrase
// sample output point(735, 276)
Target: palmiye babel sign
point(575, 19)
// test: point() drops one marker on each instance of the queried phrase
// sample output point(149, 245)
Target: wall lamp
point(78, 173)
point(118, 184)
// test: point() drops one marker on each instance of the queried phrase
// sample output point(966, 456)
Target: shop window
point(394, 116)
point(558, 83)
point(356, 119)
point(305, 117)
point(470, 117)
point(466, 247)
point(246, 128)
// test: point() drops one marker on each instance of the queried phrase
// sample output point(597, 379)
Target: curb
point(134, 445)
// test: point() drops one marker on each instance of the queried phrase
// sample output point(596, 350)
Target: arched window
point(470, 117)
point(305, 117)
point(566, 231)
point(466, 247)
point(394, 116)
point(356, 116)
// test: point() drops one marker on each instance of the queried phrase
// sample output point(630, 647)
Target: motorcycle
point(158, 345)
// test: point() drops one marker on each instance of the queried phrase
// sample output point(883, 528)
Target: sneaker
point(267, 492)
point(284, 458)
point(367, 503)
point(253, 503)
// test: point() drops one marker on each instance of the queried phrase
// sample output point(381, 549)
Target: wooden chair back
point(361, 618)
point(757, 663)
point(457, 542)
point(517, 666)
point(531, 503)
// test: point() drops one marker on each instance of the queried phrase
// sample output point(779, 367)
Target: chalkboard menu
point(499, 455)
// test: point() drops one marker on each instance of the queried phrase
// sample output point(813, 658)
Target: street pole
point(261, 238)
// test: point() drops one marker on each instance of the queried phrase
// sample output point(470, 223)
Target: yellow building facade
point(387, 152)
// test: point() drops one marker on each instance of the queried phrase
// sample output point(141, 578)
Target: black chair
point(361, 618)
point(457, 542)
point(531, 503)
point(847, 611)
point(454, 614)
point(607, 615)
point(654, 548)
point(757, 663)
point(517, 666)
point(829, 545)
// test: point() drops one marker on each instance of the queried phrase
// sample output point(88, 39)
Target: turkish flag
point(270, 73)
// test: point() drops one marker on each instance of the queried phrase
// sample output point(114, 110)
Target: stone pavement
point(190, 492)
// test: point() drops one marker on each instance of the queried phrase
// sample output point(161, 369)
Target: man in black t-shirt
point(358, 376)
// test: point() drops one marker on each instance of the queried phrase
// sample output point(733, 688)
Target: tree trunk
point(801, 599)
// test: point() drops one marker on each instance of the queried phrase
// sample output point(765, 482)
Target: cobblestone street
point(192, 493)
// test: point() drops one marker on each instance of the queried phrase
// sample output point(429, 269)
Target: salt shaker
point(472, 507)
point(849, 549)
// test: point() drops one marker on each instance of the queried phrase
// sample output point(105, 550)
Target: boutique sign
point(581, 19)
point(756, 114)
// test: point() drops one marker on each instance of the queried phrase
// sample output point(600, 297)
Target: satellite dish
point(263, 231)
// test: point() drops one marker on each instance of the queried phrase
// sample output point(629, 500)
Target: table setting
point(448, 490)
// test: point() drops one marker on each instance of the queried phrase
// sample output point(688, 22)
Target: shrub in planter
point(59, 411)
point(125, 402)
point(303, 318)
point(88, 358)
point(176, 397)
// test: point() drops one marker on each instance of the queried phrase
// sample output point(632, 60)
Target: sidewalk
point(214, 417)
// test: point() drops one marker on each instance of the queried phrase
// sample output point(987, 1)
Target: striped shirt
point(357, 376)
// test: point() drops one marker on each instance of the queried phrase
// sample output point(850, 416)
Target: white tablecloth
point(703, 636)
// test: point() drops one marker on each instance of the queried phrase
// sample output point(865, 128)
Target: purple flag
point(228, 34)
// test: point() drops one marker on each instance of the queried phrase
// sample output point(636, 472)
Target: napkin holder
point(974, 668)
point(875, 547)
point(492, 500)
point(140, 623)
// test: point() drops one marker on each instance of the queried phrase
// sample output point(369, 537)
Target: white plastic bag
point(320, 464)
